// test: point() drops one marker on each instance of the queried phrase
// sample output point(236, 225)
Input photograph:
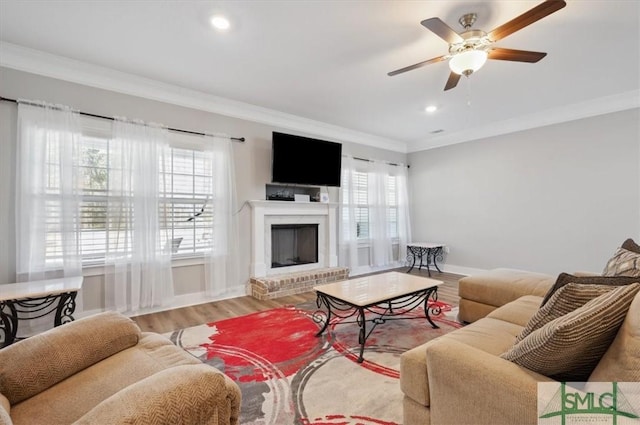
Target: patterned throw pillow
point(569, 347)
point(567, 299)
point(565, 278)
point(623, 263)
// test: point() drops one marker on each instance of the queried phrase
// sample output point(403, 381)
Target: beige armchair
point(103, 369)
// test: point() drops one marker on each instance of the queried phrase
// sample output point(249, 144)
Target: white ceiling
point(327, 61)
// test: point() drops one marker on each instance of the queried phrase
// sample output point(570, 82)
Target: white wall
point(252, 162)
point(551, 199)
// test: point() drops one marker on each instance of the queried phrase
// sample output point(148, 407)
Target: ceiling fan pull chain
point(468, 91)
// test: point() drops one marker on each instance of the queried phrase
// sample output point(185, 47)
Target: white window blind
point(361, 203)
point(187, 208)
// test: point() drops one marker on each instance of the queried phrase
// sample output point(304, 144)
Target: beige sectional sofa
point(460, 377)
point(104, 370)
point(482, 293)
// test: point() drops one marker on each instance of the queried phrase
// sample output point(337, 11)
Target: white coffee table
point(386, 296)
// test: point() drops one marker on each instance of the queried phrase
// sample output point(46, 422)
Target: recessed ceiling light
point(220, 22)
point(431, 109)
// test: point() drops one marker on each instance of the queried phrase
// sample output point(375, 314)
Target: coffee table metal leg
point(362, 336)
point(319, 301)
point(430, 293)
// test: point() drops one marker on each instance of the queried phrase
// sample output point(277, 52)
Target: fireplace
point(270, 257)
point(293, 244)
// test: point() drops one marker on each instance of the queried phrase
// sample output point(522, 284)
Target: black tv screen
point(302, 160)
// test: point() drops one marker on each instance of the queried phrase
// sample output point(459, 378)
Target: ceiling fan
point(469, 50)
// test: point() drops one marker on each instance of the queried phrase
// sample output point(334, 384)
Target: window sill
point(182, 261)
point(366, 243)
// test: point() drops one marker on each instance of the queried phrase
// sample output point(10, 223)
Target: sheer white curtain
point(404, 219)
point(47, 209)
point(138, 267)
point(221, 264)
point(380, 253)
point(348, 229)
point(373, 195)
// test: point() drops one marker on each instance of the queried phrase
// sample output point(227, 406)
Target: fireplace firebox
point(293, 244)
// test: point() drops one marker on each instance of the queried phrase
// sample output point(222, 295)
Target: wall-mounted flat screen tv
point(303, 160)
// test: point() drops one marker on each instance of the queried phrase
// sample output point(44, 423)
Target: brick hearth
point(275, 286)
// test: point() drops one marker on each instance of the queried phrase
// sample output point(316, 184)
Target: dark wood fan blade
point(442, 30)
point(540, 11)
point(452, 81)
point(515, 55)
point(417, 65)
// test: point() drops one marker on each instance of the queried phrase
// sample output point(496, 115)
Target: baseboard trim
point(368, 269)
point(451, 268)
point(179, 301)
point(196, 298)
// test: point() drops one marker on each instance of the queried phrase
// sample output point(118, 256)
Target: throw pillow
point(569, 347)
point(565, 278)
point(567, 299)
point(630, 245)
point(623, 263)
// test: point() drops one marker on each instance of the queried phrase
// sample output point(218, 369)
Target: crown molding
point(576, 111)
point(62, 68)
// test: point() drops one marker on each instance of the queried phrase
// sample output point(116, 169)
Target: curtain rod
point(87, 114)
point(371, 160)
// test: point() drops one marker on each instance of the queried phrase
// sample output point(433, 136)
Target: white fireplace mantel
point(266, 213)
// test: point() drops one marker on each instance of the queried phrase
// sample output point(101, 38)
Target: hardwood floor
point(170, 320)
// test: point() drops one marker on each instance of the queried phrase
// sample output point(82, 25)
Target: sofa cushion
point(68, 400)
point(500, 286)
point(62, 352)
point(564, 301)
point(569, 347)
point(621, 362)
point(519, 311)
point(623, 263)
point(470, 311)
point(565, 278)
point(196, 395)
point(490, 335)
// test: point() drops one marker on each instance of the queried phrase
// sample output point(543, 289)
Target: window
point(361, 203)
point(185, 209)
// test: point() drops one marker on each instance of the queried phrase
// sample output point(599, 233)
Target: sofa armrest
point(470, 386)
point(187, 394)
point(32, 365)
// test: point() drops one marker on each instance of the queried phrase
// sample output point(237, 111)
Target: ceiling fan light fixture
point(468, 61)
point(220, 23)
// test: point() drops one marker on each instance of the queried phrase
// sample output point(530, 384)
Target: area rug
point(289, 376)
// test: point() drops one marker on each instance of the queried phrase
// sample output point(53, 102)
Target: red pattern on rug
point(288, 375)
